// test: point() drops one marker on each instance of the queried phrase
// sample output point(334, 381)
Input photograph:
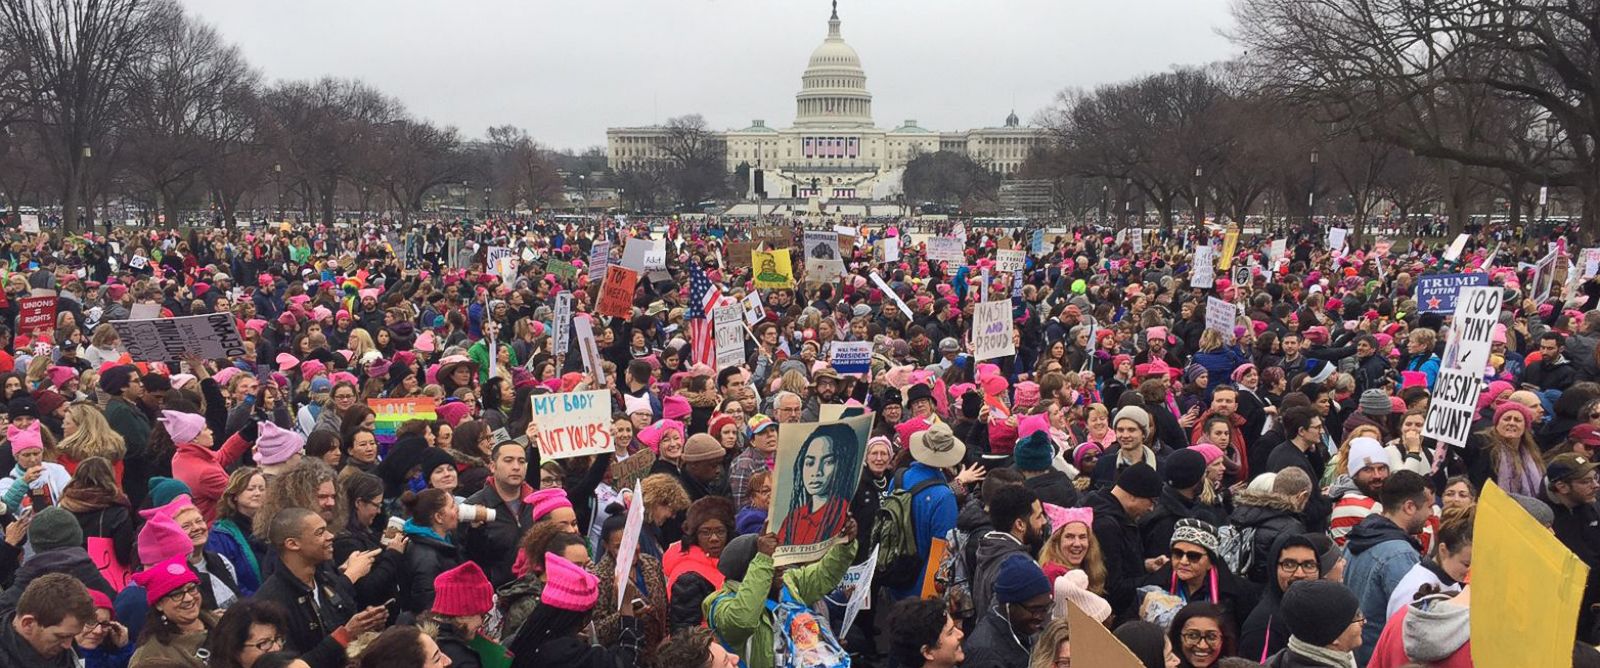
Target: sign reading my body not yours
point(573, 424)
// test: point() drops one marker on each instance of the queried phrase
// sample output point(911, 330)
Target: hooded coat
point(1263, 634)
point(1121, 547)
point(1156, 526)
point(1272, 517)
point(1431, 631)
point(993, 548)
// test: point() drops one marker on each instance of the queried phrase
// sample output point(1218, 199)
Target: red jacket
point(675, 562)
point(1390, 652)
point(204, 471)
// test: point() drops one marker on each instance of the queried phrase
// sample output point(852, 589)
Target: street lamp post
point(486, 194)
point(1311, 195)
point(583, 192)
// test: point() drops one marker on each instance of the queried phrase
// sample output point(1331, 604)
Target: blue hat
point(1034, 452)
point(1019, 579)
point(163, 490)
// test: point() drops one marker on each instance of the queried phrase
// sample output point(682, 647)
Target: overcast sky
point(567, 70)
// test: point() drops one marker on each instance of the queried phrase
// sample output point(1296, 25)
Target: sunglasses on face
point(1190, 556)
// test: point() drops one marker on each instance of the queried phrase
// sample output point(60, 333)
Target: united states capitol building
point(834, 150)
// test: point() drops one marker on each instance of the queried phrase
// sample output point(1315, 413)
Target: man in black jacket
point(1116, 513)
point(1571, 488)
point(1185, 472)
point(1304, 427)
point(1032, 457)
point(1553, 371)
point(493, 545)
point(319, 603)
point(49, 614)
point(1019, 528)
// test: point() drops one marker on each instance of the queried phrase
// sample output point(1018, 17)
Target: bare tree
point(411, 157)
point(697, 160)
point(320, 131)
point(78, 53)
point(523, 171)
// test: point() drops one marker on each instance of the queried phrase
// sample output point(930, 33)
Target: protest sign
point(856, 586)
point(144, 311)
point(820, 249)
point(1527, 582)
point(1336, 237)
point(616, 294)
point(1589, 261)
point(389, 414)
point(625, 472)
point(1454, 251)
point(1277, 248)
point(739, 253)
point(816, 470)
point(573, 424)
point(728, 324)
point(1450, 411)
point(945, 249)
point(1095, 645)
point(1202, 274)
point(629, 547)
point(644, 254)
point(563, 269)
point(1010, 260)
point(775, 237)
point(1137, 237)
point(772, 268)
point(599, 257)
point(891, 249)
point(502, 262)
point(1230, 244)
point(851, 356)
point(754, 312)
point(936, 550)
point(1036, 243)
point(845, 230)
point(898, 302)
point(209, 336)
point(38, 314)
point(1544, 277)
point(1477, 312)
point(1437, 293)
point(589, 349)
point(563, 323)
point(1221, 316)
point(991, 330)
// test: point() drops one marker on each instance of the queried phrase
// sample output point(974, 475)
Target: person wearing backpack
point(755, 595)
point(927, 508)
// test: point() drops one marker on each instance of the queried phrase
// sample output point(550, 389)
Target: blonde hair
point(1210, 340)
point(1094, 564)
point(1043, 654)
point(94, 436)
point(360, 343)
point(793, 381)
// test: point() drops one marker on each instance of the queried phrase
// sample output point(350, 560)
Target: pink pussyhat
point(1060, 516)
point(182, 427)
point(161, 539)
point(164, 578)
point(173, 507)
point(546, 501)
point(23, 440)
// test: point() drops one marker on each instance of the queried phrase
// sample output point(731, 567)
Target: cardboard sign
point(772, 269)
point(209, 336)
point(1437, 293)
point(1460, 244)
point(644, 254)
point(1450, 412)
point(1095, 645)
point(625, 472)
point(739, 253)
point(823, 263)
point(1525, 580)
point(616, 294)
point(389, 414)
point(1221, 316)
point(1202, 274)
point(991, 330)
point(573, 424)
point(36, 315)
point(754, 312)
point(816, 470)
point(562, 327)
point(1230, 245)
point(1011, 261)
point(589, 350)
point(599, 257)
point(850, 356)
point(629, 548)
point(945, 249)
point(729, 332)
point(774, 237)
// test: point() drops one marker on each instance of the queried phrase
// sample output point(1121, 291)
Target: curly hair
point(687, 647)
point(664, 489)
point(297, 488)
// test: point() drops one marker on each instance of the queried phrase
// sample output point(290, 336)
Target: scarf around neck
point(1322, 655)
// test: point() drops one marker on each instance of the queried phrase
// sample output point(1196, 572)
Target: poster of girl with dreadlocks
point(817, 469)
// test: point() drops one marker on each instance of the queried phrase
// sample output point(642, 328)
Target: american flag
point(703, 296)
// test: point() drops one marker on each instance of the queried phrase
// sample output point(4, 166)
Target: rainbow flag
point(391, 413)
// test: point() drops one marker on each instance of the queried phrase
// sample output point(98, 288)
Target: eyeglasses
point(1290, 566)
point(272, 644)
point(711, 532)
point(1196, 637)
point(1037, 610)
point(1360, 620)
point(343, 397)
point(184, 592)
point(1190, 556)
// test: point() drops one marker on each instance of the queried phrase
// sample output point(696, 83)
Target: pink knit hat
point(225, 374)
point(651, 435)
point(286, 361)
point(276, 445)
point(462, 591)
point(545, 501)
point(311, 368)
point(1061, 516)
point(1509, 406)
point(453, 413)
point(164, 578)
point(61, 375)
point(1033, 423)
point(161, 539)
point(182, 427)
point(675, 408)
point(567, 586)
point(173, 507)
point(1211, 452)
point(1027, 394)
point(23, 440)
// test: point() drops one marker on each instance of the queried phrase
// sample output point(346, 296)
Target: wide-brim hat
point(937, 446)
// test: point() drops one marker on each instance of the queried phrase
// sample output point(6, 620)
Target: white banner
point(1451, 408)
point(1203, 273)
point(210, 336)
point(991, 330)
point(1010, 260)
point(1221, 316)
point(629, 549)
point(729, 327)
point(945, 249)
point(573, 424)
point(599, 257)
point(562, 327)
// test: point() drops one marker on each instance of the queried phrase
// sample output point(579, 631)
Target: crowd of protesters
point(1260, 494)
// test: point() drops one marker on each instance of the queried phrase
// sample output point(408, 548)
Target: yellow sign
point(773, 269)
point(1230, 245)
point(1526, 588)
point(1094, 645)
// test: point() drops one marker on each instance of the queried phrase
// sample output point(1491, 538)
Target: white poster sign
point(589, 349)
point(857, 588)
point(1010, 260)
point(991, 330)
point(644, 254)
point(1221, 316)
point(1277, 248)
point(502, 262)
point(209, 336)
point(945, 249)
point(891, 249)
point(1451, 408)
point(754, 312)
point(573, 424)
point(599, 257)
point(1477, 312)
point(563, 323)
point(1590, 261)
point(1203, 273)
point(822, 260)
point(1460, 244)
point(1336, 237)
point(30, 223)
point(729, 332)
point(629, 549)
point(1544, 277)
point(888, 291)
point(850, 356)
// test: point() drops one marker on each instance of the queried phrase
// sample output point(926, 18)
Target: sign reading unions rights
point(573, 424)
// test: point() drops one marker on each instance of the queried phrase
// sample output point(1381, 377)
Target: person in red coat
point(1433, 630)
point(706, 530)
point(204, 470)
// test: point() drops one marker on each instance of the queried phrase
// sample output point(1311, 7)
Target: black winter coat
point(426, 558)
point(382, 582)
point(311, 624)
point(1121, 547)
point(1054, 487)
point(1271, 517)
point(493, 545)
point(1156, 526)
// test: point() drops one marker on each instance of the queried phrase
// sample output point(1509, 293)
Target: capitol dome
point(833, 91)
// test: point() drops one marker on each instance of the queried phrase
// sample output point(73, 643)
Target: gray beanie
point(1135, 413)
point(736, 557)
point(1376, 402)
point(1538, 509)
point(53, 529)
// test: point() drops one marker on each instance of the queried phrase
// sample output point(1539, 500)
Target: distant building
point(833, 150)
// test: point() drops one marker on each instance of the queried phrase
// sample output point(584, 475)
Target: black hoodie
point(1263, 634)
